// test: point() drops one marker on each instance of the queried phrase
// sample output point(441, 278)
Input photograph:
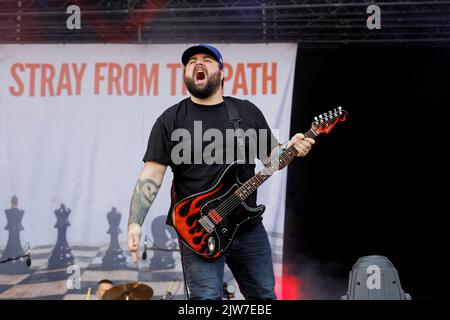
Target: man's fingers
point(301, 144)
point(131, 241)
point(133, 245)
point(302, 151)
point(305, 145)
point(299, 136)
point(134, 249)
point(135, 255)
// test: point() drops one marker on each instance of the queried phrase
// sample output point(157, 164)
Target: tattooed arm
point(147, 187)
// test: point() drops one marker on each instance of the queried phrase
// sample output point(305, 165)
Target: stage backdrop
point(74, 124)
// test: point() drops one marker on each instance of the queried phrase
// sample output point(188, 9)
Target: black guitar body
point(207, 221)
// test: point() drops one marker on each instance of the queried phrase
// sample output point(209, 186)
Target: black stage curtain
point(375, 184)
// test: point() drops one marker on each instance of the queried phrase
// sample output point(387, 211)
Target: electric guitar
point(207, 221)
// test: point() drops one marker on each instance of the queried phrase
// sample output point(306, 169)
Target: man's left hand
point(301, 144)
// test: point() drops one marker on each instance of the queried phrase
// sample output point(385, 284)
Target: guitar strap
point(233, 117)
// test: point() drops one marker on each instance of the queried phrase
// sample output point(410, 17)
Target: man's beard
point(212, 85)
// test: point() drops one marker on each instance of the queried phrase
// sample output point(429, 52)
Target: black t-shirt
point(194, 177)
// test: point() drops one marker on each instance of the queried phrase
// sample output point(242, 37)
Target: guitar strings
point(234, 200)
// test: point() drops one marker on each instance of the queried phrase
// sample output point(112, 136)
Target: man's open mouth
point(200, 75)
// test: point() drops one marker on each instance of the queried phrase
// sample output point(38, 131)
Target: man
point(103, 286)
point(249, 255)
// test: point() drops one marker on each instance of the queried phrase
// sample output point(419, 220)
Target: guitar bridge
point(207, 224)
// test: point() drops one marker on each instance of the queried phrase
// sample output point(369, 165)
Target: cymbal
point(129, 291)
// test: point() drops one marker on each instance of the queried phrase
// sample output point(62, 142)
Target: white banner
point(75, 120)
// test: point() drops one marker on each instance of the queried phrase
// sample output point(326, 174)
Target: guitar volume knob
point(211, 244)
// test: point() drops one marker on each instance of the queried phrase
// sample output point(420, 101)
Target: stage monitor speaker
point(374, 278)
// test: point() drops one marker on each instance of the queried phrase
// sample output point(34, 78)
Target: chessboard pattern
point(55, 266)
point(51, 284)
point(42, 283)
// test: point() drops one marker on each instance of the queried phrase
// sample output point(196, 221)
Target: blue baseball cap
point(202, 48)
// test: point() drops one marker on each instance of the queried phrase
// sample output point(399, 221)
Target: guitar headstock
point(326, 121)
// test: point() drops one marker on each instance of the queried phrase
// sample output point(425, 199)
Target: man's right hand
point(134, 237)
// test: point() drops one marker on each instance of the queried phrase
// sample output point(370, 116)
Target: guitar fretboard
point(275, 164)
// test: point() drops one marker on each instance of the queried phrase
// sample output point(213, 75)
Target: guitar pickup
point(207, 224)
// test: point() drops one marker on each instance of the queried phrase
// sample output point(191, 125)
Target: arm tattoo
point(143, 196)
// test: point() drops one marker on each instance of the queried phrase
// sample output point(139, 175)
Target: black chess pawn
point(61, 256)
point(114, 257)
point(164, 238)
point(13, 246)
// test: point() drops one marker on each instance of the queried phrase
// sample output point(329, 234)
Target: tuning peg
point(334, 110)
point(320, 116)
point(315, 118)
point(339, 108)
point(330, 112)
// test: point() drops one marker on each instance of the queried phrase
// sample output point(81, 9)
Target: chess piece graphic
point(13, 246)
point(61, 256)
point(114, 257)
point(165, 238)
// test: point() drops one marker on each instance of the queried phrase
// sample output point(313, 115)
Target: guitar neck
point(279, 162)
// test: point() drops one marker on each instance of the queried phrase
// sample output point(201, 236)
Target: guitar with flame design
point(207, 221)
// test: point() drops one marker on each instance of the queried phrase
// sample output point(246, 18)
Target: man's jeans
point(249, 258)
